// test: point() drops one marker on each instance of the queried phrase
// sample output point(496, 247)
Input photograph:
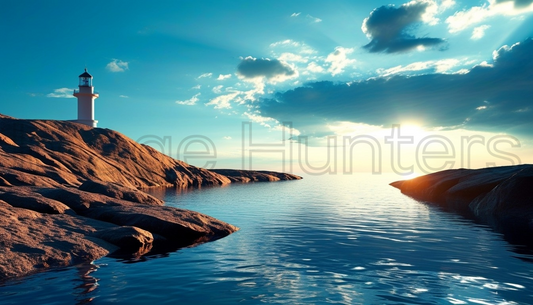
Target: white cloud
point(222, 101)
point(62, 93)
point(463, 20)
point(445, 65)
point(197, 87)
point(313, 19)
point(447, 4)
point(503, 49)
point(439, 66)
point(218, 89)
point(295, 14)
point(205, 75)
point(223, 76)
point(339, 60)
point(123, 96)
point(117, 65)
point(293, 46)
point(479, 32)
point(258, 118)
point(227, 138)
point(315, 68)
point(284, 42)
point(292, 57)
point(191, 101)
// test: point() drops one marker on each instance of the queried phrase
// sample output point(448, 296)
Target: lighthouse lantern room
point(86, 97)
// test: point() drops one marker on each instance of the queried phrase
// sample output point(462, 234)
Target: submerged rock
point(499, 196)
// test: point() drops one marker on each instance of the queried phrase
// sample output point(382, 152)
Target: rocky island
point(70, 194)
point(501, 197)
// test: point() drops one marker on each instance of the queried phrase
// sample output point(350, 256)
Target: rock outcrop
point(70, 193)
point(254, 176)
point(501, 197)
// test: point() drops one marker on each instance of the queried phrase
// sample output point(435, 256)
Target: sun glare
point(412, 130)
point(411, 176)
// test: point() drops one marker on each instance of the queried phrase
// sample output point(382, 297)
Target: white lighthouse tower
point(86, 97)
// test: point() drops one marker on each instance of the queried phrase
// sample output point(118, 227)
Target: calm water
point(339, 240)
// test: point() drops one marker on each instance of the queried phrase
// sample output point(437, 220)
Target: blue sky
point(177, 69)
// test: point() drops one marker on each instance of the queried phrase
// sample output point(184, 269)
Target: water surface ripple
point(321, 240)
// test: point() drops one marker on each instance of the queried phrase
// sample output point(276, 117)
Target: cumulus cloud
point(291, 57)
point(390, 27)
point(218, 89)
point(272, 69)
point(117, 65)
point(467, 18)
point(479, 32)
point(222, 101)
point(224, 76)
point(315, 68)
point(62, 93)
point(338, 60)
point(295, 14)
point(190, 102)
point(503, 91)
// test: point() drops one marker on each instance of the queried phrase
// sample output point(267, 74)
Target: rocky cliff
point(70, 193)
point(501, 197)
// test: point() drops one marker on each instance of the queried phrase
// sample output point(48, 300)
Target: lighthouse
point(86, 97)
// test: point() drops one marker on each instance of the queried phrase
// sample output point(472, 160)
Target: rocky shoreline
point(70, 194)
point(501, 197)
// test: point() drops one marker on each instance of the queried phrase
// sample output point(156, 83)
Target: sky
point(313, 87)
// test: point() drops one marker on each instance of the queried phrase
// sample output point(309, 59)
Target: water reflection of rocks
point(88, 284)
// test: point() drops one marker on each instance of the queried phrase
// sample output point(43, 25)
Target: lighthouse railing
point(78, 91)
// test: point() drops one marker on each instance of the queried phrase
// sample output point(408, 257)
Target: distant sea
point(322, 240)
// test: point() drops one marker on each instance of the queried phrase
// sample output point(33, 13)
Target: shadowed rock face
point(70, 193)
point(500, 196)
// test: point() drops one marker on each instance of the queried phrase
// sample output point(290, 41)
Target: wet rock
point(127, 238)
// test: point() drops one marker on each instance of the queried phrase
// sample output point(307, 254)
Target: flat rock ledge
point(70, 194)
point(55, 227)
point(501, 197)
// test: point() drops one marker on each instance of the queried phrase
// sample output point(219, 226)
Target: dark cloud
point(389, 27)
point(251, 67)
point(518, 3)
point(492, 98)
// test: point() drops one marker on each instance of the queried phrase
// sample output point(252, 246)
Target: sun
point(409, 129)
